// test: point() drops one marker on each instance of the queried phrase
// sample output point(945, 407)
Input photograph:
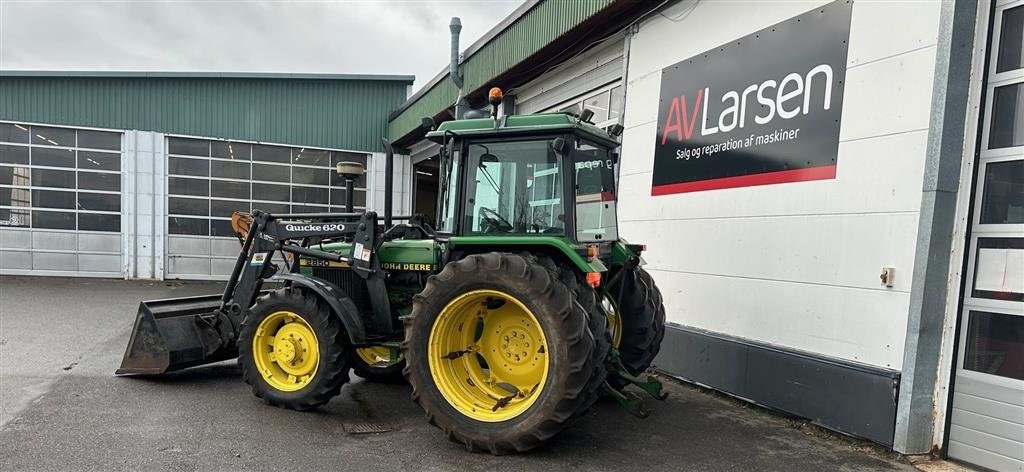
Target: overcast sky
point(359, 37)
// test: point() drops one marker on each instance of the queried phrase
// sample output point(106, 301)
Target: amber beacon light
point(494, 96)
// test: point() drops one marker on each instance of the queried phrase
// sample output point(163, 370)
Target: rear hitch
point(649, 384)
point(627, 400)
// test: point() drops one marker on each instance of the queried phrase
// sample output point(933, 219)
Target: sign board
point(762, 109)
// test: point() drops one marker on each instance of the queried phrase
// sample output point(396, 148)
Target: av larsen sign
point(763, 109)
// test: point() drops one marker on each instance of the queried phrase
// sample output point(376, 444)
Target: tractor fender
point(337, 299)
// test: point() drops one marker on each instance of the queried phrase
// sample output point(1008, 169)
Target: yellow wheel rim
point(611, 310)
point(376, 356)
point(286, 351)
point(488, 355)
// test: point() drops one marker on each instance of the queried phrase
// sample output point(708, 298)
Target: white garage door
point(207, 180)
point(987, 421)
point(60, 201)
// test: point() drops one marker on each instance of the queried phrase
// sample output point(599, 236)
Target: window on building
point(606, 105)
point(60, 178)
point(208, 180)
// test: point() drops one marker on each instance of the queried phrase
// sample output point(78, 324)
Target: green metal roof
point(330, 111)
point(520, 124)
point(534, 27)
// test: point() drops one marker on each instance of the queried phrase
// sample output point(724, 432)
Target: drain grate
point(365, 428)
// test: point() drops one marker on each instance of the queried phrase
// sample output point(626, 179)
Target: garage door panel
point(99, 262)
point(976, 455)
point(971, 386)
point(223, 266)
point(56, 210)
point(225, 247)
point(274, 178)
point(21, 260)
point(989, 442)
point(188, 246)
point(996, 426)
point(15, 239)
point(99, 242)
point(987, 407)
point(183, 266)
point(55, 261)
point(54, 241)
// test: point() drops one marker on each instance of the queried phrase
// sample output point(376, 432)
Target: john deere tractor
point(509, 315)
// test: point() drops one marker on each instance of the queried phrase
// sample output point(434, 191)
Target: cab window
point(595, 193)
point(514, 188)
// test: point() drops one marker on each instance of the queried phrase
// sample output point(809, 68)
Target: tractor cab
point(533, 175)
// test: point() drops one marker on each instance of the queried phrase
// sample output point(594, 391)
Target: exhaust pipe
point(461, 105)
point(389, 181)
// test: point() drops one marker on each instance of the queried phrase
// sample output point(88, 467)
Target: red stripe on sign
point(767, 178)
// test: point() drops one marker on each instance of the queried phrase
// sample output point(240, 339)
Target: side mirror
point(615, 130)
point(560, 146)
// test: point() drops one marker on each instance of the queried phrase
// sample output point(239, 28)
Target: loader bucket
point(168, 335)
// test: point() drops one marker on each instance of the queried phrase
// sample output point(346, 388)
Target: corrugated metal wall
point(535, 30)
point(333, 113)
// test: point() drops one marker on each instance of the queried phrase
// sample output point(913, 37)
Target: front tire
point(499, 353)
point(292, 350)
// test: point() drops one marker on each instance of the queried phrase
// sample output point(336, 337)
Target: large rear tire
point(597, 322)
point(292, 350)
point(637, 322)
point(498, 352)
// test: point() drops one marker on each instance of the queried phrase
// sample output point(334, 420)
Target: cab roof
point(512, 125)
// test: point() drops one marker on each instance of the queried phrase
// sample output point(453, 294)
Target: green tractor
point(509, 315)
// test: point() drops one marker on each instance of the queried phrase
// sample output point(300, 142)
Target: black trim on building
point(848, 397)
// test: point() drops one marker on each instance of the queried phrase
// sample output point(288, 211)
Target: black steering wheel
point(491, 221)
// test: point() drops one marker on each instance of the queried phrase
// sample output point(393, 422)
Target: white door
point(60, 201)
point(987, 423)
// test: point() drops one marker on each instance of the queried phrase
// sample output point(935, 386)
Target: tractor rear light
point(637, 248)
point(592, 252)
point(594, 279)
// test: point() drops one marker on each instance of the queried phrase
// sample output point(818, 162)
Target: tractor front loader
point(509, 314)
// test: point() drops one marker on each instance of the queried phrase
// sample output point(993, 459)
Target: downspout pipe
point(461, 105)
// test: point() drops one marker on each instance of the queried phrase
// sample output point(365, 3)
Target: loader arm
point(174, 334)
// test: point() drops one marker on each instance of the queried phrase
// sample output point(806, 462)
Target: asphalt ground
point(61, 408)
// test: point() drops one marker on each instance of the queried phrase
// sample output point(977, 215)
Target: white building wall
point(591, 70)
point(805, 256)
